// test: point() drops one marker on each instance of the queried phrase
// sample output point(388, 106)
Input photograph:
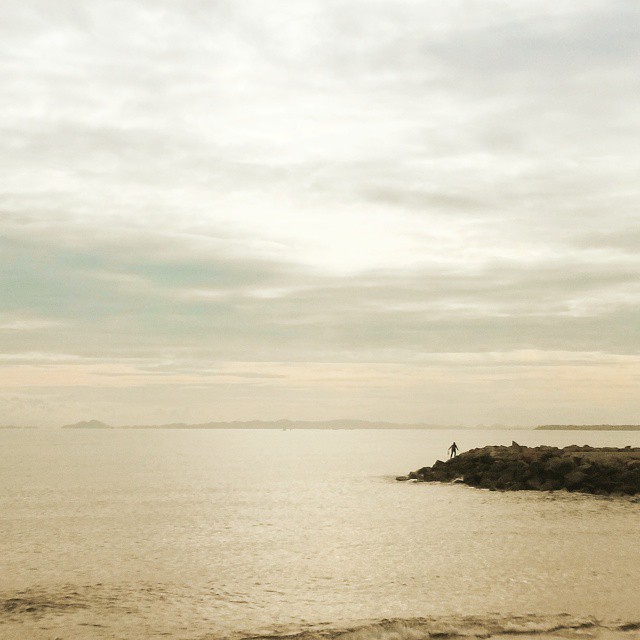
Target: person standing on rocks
point(453, 450)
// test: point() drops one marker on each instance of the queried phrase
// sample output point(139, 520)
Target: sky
point(399, 210)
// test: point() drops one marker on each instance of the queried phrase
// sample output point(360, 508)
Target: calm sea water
point(211, 534)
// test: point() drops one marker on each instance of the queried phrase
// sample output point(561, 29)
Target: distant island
point(588, 427)
point(339, 424)
point(88, 424)
point(13, 426)
point(335, 424)
point(265, 424)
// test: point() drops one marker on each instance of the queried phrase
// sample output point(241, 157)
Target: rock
point(574, 479)
point(586, 469)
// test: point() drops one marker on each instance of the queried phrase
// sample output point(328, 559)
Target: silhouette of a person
point(453, 450)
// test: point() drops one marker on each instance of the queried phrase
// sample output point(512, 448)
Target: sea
point(299, 533)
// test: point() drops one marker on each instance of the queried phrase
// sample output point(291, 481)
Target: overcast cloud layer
point(391, 210)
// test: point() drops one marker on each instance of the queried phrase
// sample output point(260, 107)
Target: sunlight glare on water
point(137, 534)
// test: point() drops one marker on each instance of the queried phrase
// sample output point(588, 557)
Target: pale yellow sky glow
point(565, 384)
point(393, 211)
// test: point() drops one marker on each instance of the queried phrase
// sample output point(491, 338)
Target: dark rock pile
point(586, 469)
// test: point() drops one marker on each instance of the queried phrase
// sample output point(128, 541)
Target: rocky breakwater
point(585, 469)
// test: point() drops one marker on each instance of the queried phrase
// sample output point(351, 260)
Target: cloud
point(197, 184)
point(152, 295)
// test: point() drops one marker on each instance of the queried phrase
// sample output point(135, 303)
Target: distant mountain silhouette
point(88, 424)
point(13, 426)
point(265, 424)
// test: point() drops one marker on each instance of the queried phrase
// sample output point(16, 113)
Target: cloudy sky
point(403, 210)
